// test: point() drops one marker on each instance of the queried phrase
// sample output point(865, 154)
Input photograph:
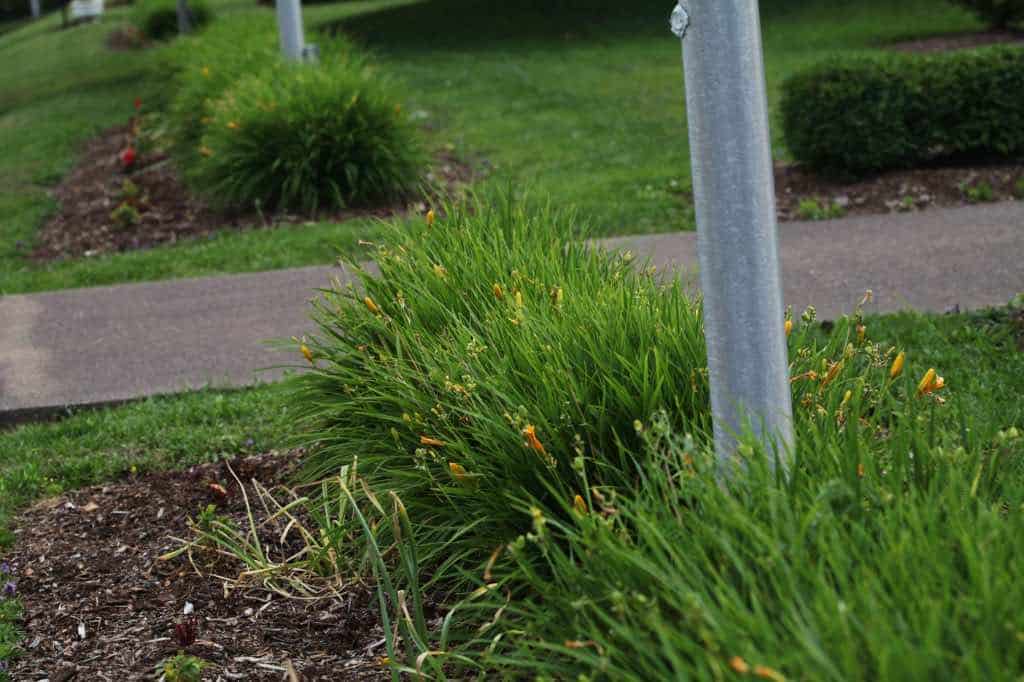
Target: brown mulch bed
point(896, 191)
point(100, 605)
point(167, 211)
point(959, 41)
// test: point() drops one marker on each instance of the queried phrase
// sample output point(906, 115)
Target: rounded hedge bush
point(158, 20)
point(302, 137)
point(853, 117)
point(999, 14)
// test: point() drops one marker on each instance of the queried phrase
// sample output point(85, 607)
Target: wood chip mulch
point(899, 191)
point(959, 41)
point(100, 605)
point(167, 212)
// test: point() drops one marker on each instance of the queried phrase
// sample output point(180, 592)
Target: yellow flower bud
point(430, 218)
point(789, 327)
point(897, 365)
point(371, 306)
point(498, 293)
point(432, 442)
point(306, 353)
point(579, 504)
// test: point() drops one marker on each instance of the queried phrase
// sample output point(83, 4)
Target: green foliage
point(309, 137)
point(158, 19)
point(673, 575)
point(999, 14)
point(125, 216)
point(978, 193)
point(206, 65)
point(1018, 188)
point(858, 116)
point(10, 632)
point(868, 564)
point(813, 208)
point(489, 355)
point(183, 668)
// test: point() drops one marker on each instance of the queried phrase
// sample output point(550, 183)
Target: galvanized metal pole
point(34, 6)
point(184, 17)
point(737, 235)
point(289, 24)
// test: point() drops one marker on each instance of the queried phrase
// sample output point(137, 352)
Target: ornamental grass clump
point(487, 361)
point(207, 64)
point(310, 138)
point(891, 550)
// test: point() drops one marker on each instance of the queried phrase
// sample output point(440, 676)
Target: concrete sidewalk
point(110, 344)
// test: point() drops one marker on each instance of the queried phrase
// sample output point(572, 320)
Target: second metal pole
point(737, 236)
point(289, 24)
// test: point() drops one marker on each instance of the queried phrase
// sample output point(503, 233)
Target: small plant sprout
point(979, 193)
point(183, 668)
point(813, 208)
point(1018, 188)
point(125, 216)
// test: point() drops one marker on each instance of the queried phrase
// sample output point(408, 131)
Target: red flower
point(127, 157)
point(138, 104)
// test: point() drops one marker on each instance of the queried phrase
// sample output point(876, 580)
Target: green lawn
point(584, 107)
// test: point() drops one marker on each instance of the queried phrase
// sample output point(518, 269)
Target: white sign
point(86, 9)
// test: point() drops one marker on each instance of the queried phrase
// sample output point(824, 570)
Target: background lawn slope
point(582, 100)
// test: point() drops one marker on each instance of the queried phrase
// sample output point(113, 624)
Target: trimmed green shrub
point(309, 138)
point(860, 116)
point(158, 19)
point(999, 14)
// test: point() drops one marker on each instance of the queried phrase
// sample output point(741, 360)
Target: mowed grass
point(582, 101)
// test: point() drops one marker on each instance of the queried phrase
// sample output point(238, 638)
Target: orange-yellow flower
point(306, 353)
point(789, 327)
point(930, 383)
point(861, 332)
point(532, 440)
point(371, 306)
point(233, 125)
point(897, 365)
point(833, 372)
point(430, 218)
point(458, 471)
point(432, 442)
point(498, 293)
point(206, 71)
point(767, 673)
point(206, 151)
point(579, 504)
point(739, 665)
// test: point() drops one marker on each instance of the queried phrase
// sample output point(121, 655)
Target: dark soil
point(959, 41)
point(100, 605)
point(165, 211)
point(896, 191)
